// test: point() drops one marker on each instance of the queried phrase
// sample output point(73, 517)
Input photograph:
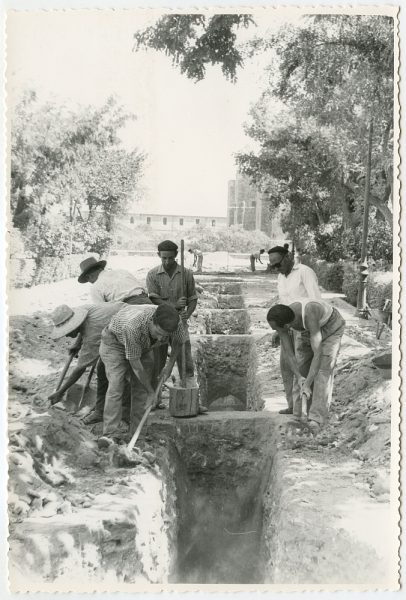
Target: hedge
point(344, 278)
point(25, 272)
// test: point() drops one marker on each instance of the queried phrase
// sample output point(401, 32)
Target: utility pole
point(362, 307)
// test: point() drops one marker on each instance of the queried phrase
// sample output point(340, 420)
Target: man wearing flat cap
point(111, 285)
point(295, 282)
point(164, 284)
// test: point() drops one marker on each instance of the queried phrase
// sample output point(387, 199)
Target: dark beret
point(167, 245)
point(279, 250)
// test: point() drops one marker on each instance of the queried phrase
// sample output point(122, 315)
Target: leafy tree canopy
point(196, 41)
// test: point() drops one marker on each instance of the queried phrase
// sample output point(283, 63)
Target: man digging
point(313, 366)
point(89, 321)
point(111, 285)
point(127, 345)
point(256, 257)
point(295, 281)
point(197, 259)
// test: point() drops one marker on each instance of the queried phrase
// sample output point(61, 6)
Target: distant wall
point(25, 272)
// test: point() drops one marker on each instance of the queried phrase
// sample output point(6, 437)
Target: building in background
point(246, 207)
point(165, 222)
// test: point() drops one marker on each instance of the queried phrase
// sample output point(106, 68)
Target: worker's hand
point(55, 397)
point(276, 340)
point(305, 388)
point(181, 303)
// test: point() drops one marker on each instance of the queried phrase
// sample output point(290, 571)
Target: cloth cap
point(167, 317)
point(88, 265)
point(66, 320)
point(167, 245)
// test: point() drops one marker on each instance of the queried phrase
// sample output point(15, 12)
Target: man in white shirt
point(111, 285)
point(295, 281)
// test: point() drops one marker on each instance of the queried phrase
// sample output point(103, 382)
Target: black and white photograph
point(203, 273)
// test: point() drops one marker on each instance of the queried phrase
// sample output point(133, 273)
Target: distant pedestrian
point(198, 259)
point(313, 364)
point(256, 257)
point(111, 285)
point(295, 281)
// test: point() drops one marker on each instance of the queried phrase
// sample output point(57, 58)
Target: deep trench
point(224, 463)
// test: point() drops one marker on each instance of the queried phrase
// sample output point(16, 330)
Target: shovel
point(123, 455)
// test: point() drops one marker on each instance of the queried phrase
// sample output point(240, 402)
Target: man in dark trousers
point(164, 287)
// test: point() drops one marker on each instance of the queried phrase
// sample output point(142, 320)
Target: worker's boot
point(92, 418)
point(286, 411)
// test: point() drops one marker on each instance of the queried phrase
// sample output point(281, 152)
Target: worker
point(197, 259)
point(127, 345)
point(295, 281)
point(164, 284)
point(313, 365)
point(256, 257)
point(111, 285)
point(88, 321)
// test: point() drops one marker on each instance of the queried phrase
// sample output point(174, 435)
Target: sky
point(189, 131)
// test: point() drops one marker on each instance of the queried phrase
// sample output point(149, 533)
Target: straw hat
point(87, 265)
point(66, 320)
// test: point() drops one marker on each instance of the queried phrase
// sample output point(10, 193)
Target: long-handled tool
point(87, 384)
point(183, 401)
point(123, 455)
point(64, 371)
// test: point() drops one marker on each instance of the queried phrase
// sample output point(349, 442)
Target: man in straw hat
point(111, 285)
point(89, 321)
point(127, 345)
point(164, 284)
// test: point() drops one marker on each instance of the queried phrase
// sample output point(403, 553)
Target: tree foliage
point(195, 41)
point(69, 175)
point(334, 75)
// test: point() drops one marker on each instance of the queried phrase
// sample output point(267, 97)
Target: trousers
point(332, 333)
point(199, 264)
point(117, 367)
point(101, 390)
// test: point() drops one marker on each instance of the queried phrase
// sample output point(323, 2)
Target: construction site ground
point(327, 522)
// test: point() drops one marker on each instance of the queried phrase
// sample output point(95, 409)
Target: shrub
point(350, 283)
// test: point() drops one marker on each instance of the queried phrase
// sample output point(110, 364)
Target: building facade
point(246, 207)
point(169, 223)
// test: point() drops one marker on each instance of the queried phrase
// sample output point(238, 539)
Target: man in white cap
point(295, 281)
point(111, 285)
point(89, 321)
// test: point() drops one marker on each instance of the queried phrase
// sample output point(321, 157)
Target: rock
point(65, 508)
point(50, 510)
point(36, 504)
point(86, 504)
point(151, 458)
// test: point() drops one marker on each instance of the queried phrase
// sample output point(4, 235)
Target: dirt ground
point(341, 477)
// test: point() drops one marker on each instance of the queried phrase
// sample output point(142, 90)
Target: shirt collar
point(162, 270)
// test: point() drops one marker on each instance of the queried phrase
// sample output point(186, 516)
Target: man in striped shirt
point(127, 345)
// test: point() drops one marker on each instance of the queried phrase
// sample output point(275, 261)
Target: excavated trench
point(224, 460)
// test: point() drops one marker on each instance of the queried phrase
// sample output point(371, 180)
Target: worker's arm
point(142, 375)
point(191, 307)
point(313, 325)
point(288, 352)
point(73, 377)
point(167, 370)
point(97, 295)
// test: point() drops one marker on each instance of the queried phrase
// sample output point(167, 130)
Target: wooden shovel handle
point(64, 371)
point(137, 432)
point(183, 351)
